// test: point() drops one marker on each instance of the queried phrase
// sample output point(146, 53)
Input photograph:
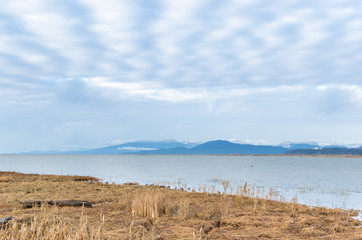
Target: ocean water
point(315, 181)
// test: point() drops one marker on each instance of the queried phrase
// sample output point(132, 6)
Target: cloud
point(332, 99)
point(112, 22)
point(133, 66)
point(189, 43)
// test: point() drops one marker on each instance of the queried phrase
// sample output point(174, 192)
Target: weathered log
point(72, 203)
point(35, 203)
point(5, 221)
point(59, 203)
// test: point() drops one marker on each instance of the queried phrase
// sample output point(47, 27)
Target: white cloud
point(355, 93)
point(154, 62)
point(114, 23)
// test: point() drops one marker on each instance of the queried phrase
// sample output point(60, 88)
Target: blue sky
point(89, 73)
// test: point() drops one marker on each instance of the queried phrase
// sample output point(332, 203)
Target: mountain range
point(221, 147)
point(136, 147)
point(218, 147)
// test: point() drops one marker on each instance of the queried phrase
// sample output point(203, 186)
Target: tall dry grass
point(50, 224)
point(151, 204)
point(156, 203)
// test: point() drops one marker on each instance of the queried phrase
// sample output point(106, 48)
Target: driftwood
point(4, 221)
point(59, 203)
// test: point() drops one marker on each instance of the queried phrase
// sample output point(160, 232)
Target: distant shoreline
point(304, 155)
point(236, 155)
point(254, 155)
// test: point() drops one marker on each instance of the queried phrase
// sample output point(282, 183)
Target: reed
point(152, 204)
point(51, 225)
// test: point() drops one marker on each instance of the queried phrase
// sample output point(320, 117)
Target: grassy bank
point(132, 211)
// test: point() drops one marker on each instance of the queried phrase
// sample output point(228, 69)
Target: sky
point(91, 73)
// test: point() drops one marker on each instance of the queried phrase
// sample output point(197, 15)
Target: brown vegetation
point(132, 211)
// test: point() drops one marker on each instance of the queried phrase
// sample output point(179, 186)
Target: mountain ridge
point(216, 147)
point(221, 147)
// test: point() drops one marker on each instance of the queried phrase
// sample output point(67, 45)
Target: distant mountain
point(326, 151)
point(135, 147)
point(218, 147)
point(221, 147)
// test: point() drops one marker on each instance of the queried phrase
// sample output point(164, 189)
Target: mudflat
point(132, 211)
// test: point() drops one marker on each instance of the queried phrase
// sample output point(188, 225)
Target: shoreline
point(257, 155)
point(226, 155)
point(153, 212)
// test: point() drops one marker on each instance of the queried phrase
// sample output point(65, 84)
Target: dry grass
point(50, 224)
point(150, 212)
point(4, 179)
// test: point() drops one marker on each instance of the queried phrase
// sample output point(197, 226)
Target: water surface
point(329, 182)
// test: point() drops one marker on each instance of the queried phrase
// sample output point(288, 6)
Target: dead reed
point(50, 224)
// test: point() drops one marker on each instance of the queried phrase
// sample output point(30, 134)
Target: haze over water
point(316, 181)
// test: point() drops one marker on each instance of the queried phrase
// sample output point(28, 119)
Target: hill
point(135, 147)
point(220, 147)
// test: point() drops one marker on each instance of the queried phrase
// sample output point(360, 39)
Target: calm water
point(330, 182)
